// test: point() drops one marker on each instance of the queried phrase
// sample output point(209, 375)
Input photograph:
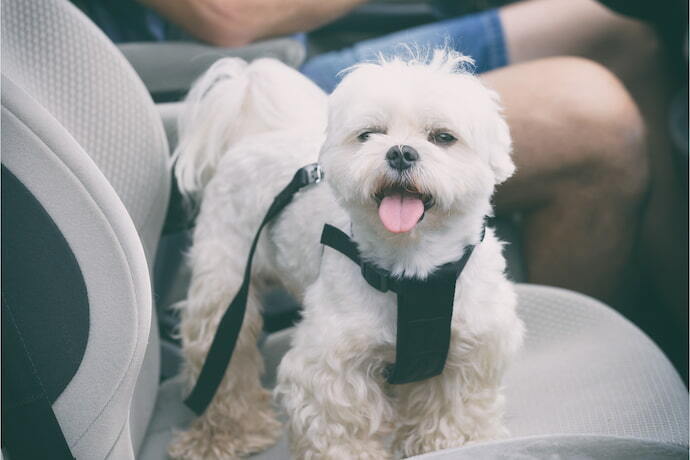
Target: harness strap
point(377, 278)
point(224, 341)
point(425, 310)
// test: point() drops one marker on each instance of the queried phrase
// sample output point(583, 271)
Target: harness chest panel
point(425, 311)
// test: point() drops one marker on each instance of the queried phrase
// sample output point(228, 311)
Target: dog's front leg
point(240, 419)
point(333, 397)
point(462, 405)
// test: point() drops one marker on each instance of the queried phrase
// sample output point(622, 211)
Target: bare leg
point(631, 50)
point(582, 172)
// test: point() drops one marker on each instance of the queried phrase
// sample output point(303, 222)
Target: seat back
point(85, 149)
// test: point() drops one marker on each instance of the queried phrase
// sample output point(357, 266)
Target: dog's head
point(411, 145)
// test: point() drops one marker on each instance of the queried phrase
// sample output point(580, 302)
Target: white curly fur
point(246, 129)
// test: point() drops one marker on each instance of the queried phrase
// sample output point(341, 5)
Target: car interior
point(94, 234)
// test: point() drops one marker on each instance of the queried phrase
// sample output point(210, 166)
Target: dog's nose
point(401, 157)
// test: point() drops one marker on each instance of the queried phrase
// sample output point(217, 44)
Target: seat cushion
point(586, 378)
point(587, 370)
point(70, 83)
point(169, 68)
point(580, 447)
point(94, 408)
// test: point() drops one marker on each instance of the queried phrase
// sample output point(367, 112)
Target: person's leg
point(631, 50)
point(581, 171)
point(476, 35)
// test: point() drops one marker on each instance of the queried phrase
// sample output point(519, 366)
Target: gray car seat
point(85, 156)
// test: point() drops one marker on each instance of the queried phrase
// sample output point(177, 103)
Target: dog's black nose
point(401, 157)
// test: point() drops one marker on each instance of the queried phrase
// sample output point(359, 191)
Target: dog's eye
point(442, 138)
point(364, 135)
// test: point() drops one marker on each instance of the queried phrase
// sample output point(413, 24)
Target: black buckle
point(311, 174)
point(376, 277)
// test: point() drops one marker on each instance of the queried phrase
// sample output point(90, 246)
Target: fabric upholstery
point(94, 408)
point(587, 370)
point(52, 51)
point(88, 98)
point(576, 447)
point(171, 67)
point(169, 113)
point(587, 378)
point(40, 294)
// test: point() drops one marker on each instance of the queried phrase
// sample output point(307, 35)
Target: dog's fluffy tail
point(235, 100)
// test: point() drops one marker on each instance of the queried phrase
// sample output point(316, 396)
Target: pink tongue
point(400, 213)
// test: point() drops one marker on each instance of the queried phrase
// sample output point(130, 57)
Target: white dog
point(246, 130)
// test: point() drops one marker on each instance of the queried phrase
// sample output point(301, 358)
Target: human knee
point(633, 49)
point(609, 129)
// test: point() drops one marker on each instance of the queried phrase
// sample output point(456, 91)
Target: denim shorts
point(477, 35)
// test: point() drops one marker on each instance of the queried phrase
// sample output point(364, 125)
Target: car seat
point(85, 188)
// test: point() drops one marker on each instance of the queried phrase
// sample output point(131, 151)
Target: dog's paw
point(413, 443)
point(493, 432)
point(417, 445)
point(226, 441)
point(360, 450)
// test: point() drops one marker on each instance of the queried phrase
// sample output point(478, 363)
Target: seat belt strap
point(425, 310)
point(223, 345)
point(30, 428)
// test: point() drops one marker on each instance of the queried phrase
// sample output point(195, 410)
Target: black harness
point(425, 310)
point(425, 307)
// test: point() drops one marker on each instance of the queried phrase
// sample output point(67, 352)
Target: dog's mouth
point(401, 207)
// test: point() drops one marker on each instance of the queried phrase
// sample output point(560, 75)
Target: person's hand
point(239, 22)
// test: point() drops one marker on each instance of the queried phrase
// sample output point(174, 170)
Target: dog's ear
point(500, 144)
point(500, 155)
